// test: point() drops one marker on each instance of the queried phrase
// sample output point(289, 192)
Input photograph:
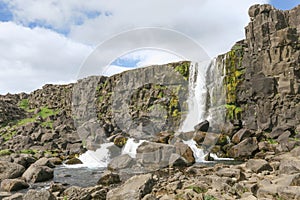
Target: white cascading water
point(206, 101)
point(101, 157)
point(131, 147)
point(197, 96)
point(95, 159)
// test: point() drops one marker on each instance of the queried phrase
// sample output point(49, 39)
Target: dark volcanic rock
point(202, 126)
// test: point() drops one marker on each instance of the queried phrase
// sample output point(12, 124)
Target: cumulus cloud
point(32, 57)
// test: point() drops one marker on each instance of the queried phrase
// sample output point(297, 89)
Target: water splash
point(200, 155)
point(131, 147)
point(95, 159)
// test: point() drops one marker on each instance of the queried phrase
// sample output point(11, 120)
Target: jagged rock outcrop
point(263, 79)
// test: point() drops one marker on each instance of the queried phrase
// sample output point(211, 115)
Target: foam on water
point(131, 147)
point(95, 159)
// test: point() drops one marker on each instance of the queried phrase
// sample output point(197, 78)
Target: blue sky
point(48, 41)
point(285, 4)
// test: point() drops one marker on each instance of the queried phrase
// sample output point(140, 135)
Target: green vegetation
point(197, 189)
point(9, 131)
point(234, 76)
point(272, 141)
point(209, 197)
point(5, 152)
point(233, 112)
point(24, 104)
point(184, 69)
point(29, 151)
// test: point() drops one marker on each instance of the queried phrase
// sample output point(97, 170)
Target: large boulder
point(109, 178)
point(40, 195)
point(154, 155)
point(10, 185)
point(121, 162)
point(76, 193)
point(185, 151)
point(202, 126)
point(37, 173)
point(44, 162)
point(134, 188)
point(258, 165)
point(244, 149)
point(10, 170)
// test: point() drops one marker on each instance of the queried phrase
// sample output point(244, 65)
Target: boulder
point(120, 140)
point(185, 151)
point(39, 194)
point(289, 165)
point(25, 160)
point(134, 188)
point(241, 135)
point(154, 155)
point(44, 162)
point(258, 165)
point(231, 173)
point(16, 196)
point(10, 170)
point(37, 173)
point(76, 193)
point(202, 126)
point(291, 192)
point(10, 185)
point(163, 137)
point(178, 161)
point(244, 148)
point(73, 161)
point(121, 162)
point(109, 178)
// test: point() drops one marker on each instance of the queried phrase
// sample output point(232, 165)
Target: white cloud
point(215, 25)
point(32, 57)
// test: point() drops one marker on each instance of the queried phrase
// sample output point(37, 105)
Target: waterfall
point(206, 94)
point(197, 96)
point(216, 93)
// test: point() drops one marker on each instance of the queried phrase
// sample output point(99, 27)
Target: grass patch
point(272, 141)
point(24, 104)
point(8, 135)
point(5, 152)
point(209, 197)
point(29, 151)
point(197, 189)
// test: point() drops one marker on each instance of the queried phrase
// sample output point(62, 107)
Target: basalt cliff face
point(263, 71)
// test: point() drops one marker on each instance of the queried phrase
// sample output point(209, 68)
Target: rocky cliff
point(262, 98)
point(263, 71)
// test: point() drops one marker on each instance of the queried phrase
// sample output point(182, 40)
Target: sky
point(49, 41)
